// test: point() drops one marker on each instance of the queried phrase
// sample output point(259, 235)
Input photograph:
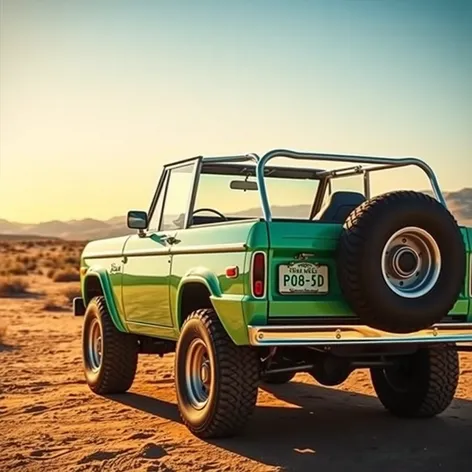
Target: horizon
point(108, 218)
point(95, 98)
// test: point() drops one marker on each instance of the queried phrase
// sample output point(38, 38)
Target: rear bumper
point(355, 334)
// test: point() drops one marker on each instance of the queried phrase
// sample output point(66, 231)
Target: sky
point(95, 96)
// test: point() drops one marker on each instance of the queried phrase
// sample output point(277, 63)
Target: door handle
point(169, 239)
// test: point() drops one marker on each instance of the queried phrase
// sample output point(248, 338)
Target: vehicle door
point(146, 273)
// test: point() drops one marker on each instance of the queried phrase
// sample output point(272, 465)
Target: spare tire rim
point(94, 345)
point(411, 262)
point(198, 374)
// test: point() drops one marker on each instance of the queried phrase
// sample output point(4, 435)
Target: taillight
point(258, 274)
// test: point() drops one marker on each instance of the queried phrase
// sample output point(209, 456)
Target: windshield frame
point(280, 172)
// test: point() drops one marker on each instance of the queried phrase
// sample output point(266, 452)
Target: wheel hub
point(198, 374)
point(411, 262)
point(94, 345)
point(404, 261)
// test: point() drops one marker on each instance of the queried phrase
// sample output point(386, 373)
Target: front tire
point(110, 357)
point(421, 385)
point(216, 381)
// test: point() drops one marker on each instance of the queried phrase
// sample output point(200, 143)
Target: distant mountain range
point(459, 202)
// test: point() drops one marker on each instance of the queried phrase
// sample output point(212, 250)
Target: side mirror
point(137, 220)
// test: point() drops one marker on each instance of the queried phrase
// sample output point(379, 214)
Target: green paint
point(144, 279)
point(109, 290)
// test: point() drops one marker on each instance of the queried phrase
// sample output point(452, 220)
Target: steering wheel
point(223, 217)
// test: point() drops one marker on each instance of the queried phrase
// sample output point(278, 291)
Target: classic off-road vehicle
point(251, 273)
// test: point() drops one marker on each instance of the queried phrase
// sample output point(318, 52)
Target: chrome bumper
point(355, 334)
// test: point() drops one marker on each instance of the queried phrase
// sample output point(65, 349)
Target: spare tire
point(401, 261)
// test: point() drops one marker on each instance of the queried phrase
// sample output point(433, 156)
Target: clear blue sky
point(97, 95)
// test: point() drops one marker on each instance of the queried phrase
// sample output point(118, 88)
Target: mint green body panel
point(145, 283)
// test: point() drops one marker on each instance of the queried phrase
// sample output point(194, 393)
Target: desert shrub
point(11, 286)
point(18, 268)
point(31, 266)
point(54, 304)
point(72, 260)
point(67, 275)
point(3, 332)
point(50, 263)
point(51, 273)
point(72, 292)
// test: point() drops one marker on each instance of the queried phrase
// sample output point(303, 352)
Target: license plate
point(303, 278)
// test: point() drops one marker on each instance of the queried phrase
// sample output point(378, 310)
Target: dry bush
point(75, 260)
point(3, 332)
point(12, 286)
point(66, 275)
point(72, 292)
point(55, 304)
point(17, 268)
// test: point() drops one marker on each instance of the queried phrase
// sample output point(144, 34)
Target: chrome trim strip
point(206, 249)
point(102, 255)
point(354, 334)
point(147, 252)
point(203, 249)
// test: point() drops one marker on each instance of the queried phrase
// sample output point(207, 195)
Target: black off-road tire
point(119, 352)
point(278, 378)
point(424, 387)
point(234, 378)
point(365, 234)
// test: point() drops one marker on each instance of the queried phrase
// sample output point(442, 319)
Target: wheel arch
point(96, 282)
point(202, 290)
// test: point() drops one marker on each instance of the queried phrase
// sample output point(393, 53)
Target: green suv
point(251, 273)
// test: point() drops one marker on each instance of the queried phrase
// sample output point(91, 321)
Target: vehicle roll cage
point(375, 163)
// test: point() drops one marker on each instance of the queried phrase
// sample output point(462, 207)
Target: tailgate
point(303, 275)
point(299, 289)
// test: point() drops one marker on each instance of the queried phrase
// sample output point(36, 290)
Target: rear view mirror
point(243, 185)
point(137, 219)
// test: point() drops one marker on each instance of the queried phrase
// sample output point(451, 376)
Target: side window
point(352, 183)
point(156, 215)
point(177, 198)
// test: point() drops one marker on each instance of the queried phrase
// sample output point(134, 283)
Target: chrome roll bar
point(382, 163)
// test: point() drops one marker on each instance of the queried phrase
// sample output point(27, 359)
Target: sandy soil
point(50, 421)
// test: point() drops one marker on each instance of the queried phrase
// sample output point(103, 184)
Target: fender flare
point(103, 277)
point(235, 325)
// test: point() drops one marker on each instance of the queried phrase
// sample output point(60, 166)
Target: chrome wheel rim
point(198, 374)
point(411, 262)
point(94, 345)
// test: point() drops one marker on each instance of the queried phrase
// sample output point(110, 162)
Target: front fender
point(101, 274)
point(227, 307)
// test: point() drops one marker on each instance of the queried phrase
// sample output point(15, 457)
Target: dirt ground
point(50, 421)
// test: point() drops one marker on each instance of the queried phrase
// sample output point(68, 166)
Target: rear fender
point(227, 307)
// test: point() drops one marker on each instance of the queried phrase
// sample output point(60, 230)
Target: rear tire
point(216, 381)
point(422, 385)
point(110, 357)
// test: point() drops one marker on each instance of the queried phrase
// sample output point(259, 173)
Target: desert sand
point(50, 421)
